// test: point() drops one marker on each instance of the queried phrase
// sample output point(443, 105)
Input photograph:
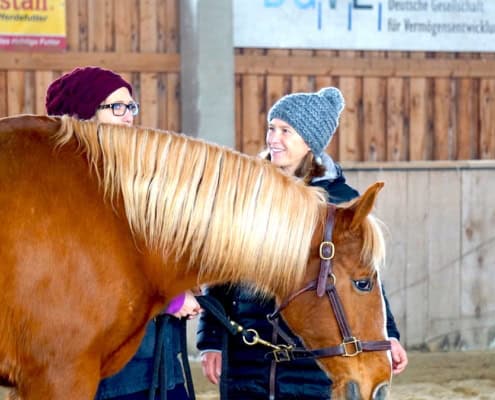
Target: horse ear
point(363, 206)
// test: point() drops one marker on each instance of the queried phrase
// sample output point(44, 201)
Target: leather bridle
point(325, 283)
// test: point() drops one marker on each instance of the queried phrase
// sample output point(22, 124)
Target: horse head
point(350, 344)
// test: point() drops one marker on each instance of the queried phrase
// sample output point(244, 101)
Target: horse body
point(91, 248)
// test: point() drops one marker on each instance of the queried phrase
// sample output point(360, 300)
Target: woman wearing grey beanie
point(300, 127)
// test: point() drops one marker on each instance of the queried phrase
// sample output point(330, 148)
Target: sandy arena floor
point(429, 376)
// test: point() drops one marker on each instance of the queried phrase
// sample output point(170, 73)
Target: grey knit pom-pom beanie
point(315, 116)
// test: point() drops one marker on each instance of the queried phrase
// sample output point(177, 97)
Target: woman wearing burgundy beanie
point(93, 93)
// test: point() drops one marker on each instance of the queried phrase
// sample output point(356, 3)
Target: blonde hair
point(237, 216)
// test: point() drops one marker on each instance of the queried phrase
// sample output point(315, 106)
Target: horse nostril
point(381, 391)
point(353, 392)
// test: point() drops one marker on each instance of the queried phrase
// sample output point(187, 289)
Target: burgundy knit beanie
point(79, 92)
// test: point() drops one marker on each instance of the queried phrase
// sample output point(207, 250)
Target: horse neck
point(235, 225)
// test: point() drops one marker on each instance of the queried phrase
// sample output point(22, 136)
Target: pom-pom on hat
point(79, 92)
point(315, 116)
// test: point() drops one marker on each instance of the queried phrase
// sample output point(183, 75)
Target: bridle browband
point(325, 283)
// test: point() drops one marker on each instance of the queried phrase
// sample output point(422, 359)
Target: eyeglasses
point(119, 109)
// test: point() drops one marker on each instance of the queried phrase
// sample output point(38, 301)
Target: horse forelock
point(373, 251)
point(236, 216)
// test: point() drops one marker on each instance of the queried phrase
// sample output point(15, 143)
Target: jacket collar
point(332, 170)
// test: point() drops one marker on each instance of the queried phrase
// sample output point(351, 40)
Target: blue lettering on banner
point(379, 17)
point(319, 15)
point(273, 3)
point(357, 5)
point(349, 17)
point(303, 5)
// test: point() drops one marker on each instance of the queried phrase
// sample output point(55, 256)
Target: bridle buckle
point(283, 353)
point(352, 346)
point(327, 250)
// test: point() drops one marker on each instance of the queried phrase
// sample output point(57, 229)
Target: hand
point(190, 308)
point(399, 357)
point(211, 364)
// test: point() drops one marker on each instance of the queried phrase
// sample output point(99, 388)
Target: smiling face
point(287, 148)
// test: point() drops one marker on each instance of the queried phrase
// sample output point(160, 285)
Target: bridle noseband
point(325, 283)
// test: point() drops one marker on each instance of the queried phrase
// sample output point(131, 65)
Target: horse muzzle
point(380, 392)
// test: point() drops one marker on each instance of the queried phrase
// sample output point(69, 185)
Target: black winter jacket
point(248, 371)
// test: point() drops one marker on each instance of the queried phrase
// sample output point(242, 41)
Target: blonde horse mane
point(237, 216)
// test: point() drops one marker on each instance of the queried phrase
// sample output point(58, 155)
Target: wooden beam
point(417, 165)
point(364, 67)
point(259, 64)
point(122, 62)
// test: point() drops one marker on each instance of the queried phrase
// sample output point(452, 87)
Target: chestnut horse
point(102, 225)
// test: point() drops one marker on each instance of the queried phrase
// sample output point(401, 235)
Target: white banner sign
point(408, 25)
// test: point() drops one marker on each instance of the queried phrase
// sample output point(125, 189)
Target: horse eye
point(363, 285)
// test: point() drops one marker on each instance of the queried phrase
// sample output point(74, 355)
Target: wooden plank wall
point(139, 39)
point(440, 249)
point(400, 106)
